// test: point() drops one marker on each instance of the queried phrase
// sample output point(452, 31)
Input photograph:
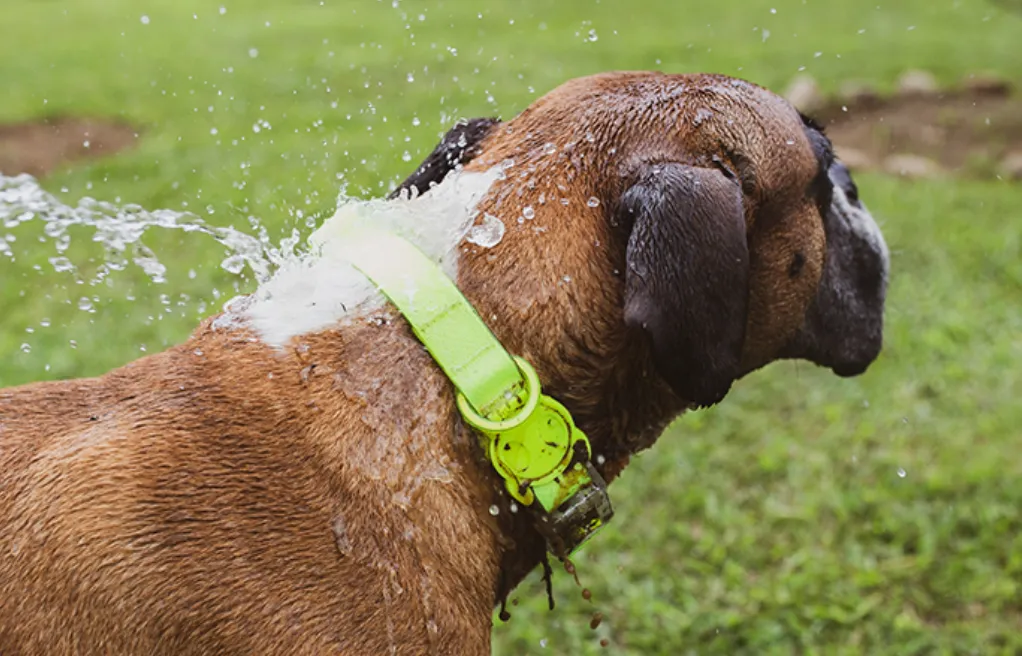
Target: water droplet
point(253, 52)
point(514, 507)
point(593, 202)
point(45, 323)
point(406, 156)
point(902, 473)
point(549, 149)
point(144, 19)
point(25, 348)
point(85, 304)
point(416, 122)
point(528, 212)
point(592, 35)
point(198, 352)
point(600, 459)
point(411, 78)
point(488, 233)
point(494, 510)
point(542, 643)
point(61, 264)
point(233, 264)
point(223, 10)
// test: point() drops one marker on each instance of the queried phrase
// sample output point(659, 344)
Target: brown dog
point(291, 481)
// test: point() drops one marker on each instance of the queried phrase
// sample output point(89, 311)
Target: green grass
point(807, 514)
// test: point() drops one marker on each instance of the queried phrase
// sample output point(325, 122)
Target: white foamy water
point(315, 290)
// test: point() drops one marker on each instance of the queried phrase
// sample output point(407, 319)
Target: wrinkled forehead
point(779, 151)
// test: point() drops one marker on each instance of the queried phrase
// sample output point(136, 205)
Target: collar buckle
point(544, 459)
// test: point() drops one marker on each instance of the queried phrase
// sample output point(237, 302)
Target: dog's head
point(717, 216)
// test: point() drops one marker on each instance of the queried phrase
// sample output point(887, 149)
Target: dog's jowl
point(308, 486)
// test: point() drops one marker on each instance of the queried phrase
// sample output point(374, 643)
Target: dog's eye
point(840, 175)
point(852, 192)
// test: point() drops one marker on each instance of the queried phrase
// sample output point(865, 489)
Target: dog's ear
point(458, 147)
point(687, 278)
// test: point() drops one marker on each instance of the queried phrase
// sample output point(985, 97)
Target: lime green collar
point(530, 439)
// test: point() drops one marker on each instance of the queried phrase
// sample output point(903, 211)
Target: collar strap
point(528, 437)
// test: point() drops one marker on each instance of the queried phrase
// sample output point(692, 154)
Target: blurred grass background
point(806, 514)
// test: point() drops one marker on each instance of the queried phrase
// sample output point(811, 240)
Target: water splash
point(120, 230)
point(320, 288)
point(303, 285)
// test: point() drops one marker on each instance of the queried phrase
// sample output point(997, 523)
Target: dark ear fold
point(458, 147)
point(687, 280)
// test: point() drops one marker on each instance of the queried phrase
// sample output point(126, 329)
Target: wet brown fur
point(226, 497)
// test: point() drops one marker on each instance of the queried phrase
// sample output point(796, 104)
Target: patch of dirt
point(970, 132)
point(41, 147)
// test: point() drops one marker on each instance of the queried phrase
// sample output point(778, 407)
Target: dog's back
point(185, 504)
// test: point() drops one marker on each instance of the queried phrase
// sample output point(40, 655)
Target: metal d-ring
point(532, 388)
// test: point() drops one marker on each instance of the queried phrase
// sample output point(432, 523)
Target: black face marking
point(821, 189)
point(844, 325)
point(797, 262)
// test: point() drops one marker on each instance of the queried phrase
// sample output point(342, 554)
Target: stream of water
point(120, 229)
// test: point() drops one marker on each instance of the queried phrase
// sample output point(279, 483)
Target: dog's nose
point(856, 356)
point(850, 369)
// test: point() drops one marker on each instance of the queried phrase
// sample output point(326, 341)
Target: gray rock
point(1011, 166)
point(853, 92)
point(917, 83)
point(853, 158)
point(912, 166)
point(804, 94)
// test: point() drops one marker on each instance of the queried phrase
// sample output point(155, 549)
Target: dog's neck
point(569, 324)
